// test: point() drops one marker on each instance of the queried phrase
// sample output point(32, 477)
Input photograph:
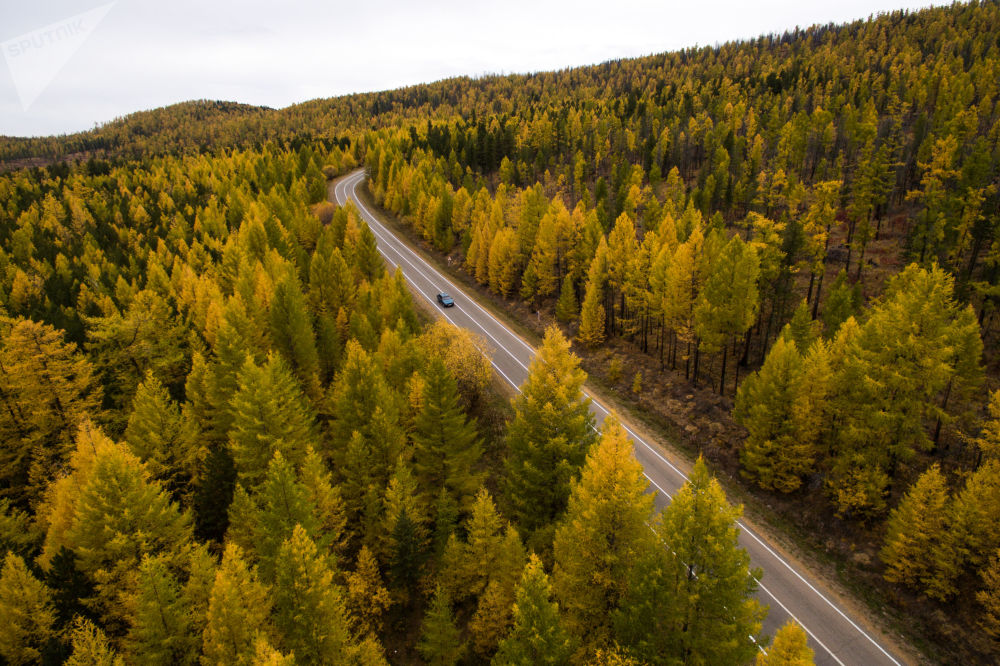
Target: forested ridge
point(220, 414)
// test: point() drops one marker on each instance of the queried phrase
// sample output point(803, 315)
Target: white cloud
point(147, 54)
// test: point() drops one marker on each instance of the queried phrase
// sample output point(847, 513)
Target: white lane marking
point(740, 524)
point(431, 300)
point(416, 268)
point(360, 176)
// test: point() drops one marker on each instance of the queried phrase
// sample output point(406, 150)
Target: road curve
point(791, 593)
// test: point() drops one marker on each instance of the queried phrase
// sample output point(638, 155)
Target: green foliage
point(305, 587)
point(238, 610)
point(783, 408)
point(537, 635)
point(549, 435)
point(271, 415)
point(915, 542)
point(601, 535)
point(440, 643)
point(446, 448)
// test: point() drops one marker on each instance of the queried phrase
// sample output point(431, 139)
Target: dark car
point(445, 300)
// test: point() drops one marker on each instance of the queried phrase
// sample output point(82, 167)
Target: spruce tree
point(549, 435)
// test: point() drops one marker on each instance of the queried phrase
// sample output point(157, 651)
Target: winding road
point(789, 591)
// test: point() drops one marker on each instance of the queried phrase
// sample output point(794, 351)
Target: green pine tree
point(566, 307)
point(270, 415)
point(160, 622)
point(446, 449)
point(538, 635)
point(716, 609)
point(549, 435)
point(440, 639)
point(238, 611)
point(310, 612)
point(603, 532)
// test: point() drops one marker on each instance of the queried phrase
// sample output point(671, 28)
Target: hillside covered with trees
point(806, 225)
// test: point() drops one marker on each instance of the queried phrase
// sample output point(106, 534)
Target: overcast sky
point(70, 64)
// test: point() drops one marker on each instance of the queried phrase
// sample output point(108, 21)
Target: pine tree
point(537, 636)
point(160, 620)
point(728, 302)
point(716, 608)
point(549, 435)
point(238, 611)
point(989, 597)
point(973, 531)
point(790, 648)
point(566, 307)
point(592, 316)
point(600, 536)
point(125, 345)
point(842, 301)
point(270, 415)
point(369, 260)
point(326, 502)
point(446, 449)
point(914, 527)
point(110, 513)
point(367, 597)
point(440, 642)
point(490, 551)
point(260, 523)
point(782, 410)
point(292, 333)
point(915, 359)
point(592, 313)
point(503, 263)
point(46, 388)
point(404, 532)
point(90, 646)
point(159, 436)
point(309, 608)
point(27, 614)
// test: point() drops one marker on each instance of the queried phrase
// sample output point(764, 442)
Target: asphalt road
point(835, 636)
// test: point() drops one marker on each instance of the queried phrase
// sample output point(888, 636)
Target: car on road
point(445, 300)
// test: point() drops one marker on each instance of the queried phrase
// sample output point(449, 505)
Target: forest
point(221, 414)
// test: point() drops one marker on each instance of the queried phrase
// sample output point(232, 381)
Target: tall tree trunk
point(722, 376)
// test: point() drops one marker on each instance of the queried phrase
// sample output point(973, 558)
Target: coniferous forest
point(228, 434)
